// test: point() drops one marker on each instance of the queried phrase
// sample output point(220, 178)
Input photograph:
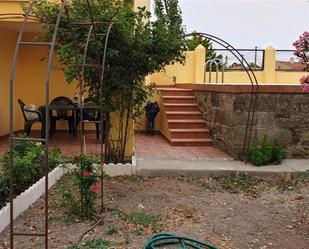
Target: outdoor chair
point(61, 114)
point(30, 114)
point(91, 115)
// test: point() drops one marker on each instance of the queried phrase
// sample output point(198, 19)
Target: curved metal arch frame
point(26, 17)
point(101, 102)
point(254, 87)
point(12, 137)
point(101, 66)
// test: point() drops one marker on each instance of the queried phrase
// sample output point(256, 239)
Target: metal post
point(46, 140)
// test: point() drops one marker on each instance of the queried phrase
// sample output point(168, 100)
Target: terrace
point(212, 112)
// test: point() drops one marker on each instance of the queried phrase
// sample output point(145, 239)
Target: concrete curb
point(215, 167)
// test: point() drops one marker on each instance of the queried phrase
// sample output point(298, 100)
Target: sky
point(248, 23)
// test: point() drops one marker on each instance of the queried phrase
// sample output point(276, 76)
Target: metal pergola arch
point(51, 45)
point(254, 86)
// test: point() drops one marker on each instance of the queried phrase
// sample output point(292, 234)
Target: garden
point(228, 212)
point(88, 209)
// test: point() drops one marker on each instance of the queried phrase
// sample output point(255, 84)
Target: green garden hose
point(165, 239)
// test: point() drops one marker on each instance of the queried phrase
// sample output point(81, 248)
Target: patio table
point(74, 108)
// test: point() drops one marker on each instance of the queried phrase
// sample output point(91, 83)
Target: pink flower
point(305, 87)
point(304, 81)
point(86, 173)
point(94, 188)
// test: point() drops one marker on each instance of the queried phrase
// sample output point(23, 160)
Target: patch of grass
point(69, 219)
point(131, 178)
point(290, 181)
point(143, 219)
point(92, 244)
point(117, 213)
point(111, 230)
point(234, 184)
point(237, 183)
point(138, 232)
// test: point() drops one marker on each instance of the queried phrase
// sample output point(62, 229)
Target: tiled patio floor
point(156, 146)
point(145, 146)
point(68, 144)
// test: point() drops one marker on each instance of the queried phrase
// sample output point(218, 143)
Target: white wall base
point(120, 169)
point(33, 193)
point(29, 196)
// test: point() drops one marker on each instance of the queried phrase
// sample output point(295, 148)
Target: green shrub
point(4, 190)
point(92, 244)
point(79, 193)
point(28, 167)
point(268, 151)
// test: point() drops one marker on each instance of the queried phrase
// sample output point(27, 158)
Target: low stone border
point(29, 196)
point(120, 169)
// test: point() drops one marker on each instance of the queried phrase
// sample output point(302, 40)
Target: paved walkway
point(157, 147)
point(214, 167)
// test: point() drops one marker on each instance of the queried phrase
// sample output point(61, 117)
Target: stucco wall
point(193, 71)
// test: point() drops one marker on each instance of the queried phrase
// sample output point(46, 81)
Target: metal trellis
point(101, 60)
point(13, 138)
point(254, 87)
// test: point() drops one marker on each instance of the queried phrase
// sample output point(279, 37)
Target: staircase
point(185, 123)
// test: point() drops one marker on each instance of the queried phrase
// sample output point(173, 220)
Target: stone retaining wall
point(284, 116)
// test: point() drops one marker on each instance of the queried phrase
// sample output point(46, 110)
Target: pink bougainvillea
point(302, 51)
point(304, 82)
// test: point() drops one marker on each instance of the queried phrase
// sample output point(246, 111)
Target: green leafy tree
point(138, 46)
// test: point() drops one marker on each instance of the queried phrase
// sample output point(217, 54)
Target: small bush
point(28, 167)
point(268, 151)
point(79, 193)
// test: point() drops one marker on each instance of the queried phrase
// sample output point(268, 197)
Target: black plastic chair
point(37, 117)
point(61, 114)
point(91, 115)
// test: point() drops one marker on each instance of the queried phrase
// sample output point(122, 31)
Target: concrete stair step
point(186, 124)
point(181, 107)
point(183, 115)
point(179, 99)
point(191, 141)
point(176, 92)
point(189, 133)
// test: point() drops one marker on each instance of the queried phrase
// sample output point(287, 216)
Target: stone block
point(241, 103)
point(266, 103)
point(215, 99)
point(223, 117)
point(283, 136)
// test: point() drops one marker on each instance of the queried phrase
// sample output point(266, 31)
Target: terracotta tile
point(161, 148)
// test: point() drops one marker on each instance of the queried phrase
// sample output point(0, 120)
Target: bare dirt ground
point(226, 212)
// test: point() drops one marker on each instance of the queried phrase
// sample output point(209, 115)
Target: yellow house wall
point(11, 7)
point(182, 73)
point(7, 48)
point(29, 83)
point(193, 71)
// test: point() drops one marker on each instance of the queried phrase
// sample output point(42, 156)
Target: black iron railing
point(287, 61)
point(255, 58)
